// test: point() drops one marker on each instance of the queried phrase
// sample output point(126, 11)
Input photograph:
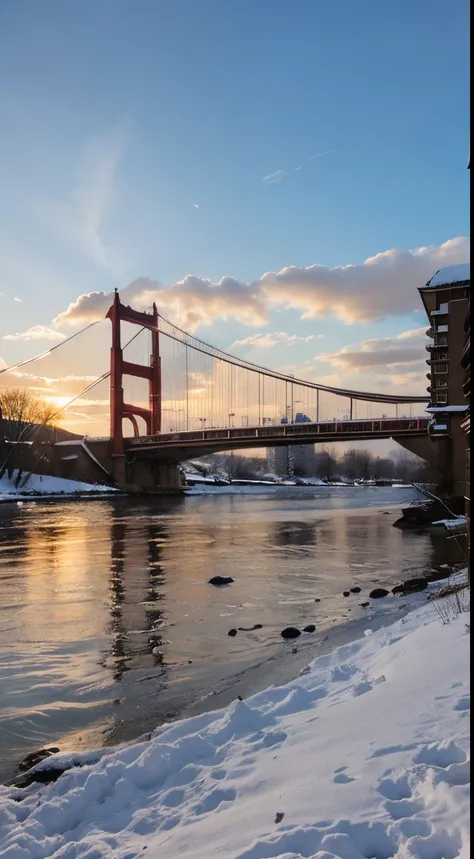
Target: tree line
point(352, 464)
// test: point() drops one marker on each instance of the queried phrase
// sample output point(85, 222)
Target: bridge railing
point(381, 425)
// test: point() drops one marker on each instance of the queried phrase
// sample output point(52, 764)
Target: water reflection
point(289, 534)
point(110, 600)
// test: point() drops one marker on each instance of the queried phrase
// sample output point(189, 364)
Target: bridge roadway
point(180, 446)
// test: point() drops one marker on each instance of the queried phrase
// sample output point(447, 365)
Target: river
point(108, 625)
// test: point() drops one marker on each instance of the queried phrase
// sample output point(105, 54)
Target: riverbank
point(365, 753)
point(37, 486)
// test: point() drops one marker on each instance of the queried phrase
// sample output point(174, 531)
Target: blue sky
point(137, 138)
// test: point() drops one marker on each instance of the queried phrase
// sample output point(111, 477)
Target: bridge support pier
point(153, 476)
point(119, 470)
point(445, 457)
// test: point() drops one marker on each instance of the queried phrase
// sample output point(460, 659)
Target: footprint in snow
point(463, 704)
point(342, 778)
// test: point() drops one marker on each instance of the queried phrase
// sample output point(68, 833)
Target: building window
point(441, 341)
point(441, 399)
point(440, 368)
point(441, 356)
point(441, 383)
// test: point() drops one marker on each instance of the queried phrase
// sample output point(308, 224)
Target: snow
point(43, 485)
point(365, 754)
point(460, 522)
point(451, 274)
point(452, 409)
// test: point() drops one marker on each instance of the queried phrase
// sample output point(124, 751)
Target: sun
point(60, 402)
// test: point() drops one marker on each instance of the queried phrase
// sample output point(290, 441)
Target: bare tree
point(326, 463)
point(23, 414)
point(358, 464)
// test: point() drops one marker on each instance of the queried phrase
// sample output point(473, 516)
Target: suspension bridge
point(177, 397)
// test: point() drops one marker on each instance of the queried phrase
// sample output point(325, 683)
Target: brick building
point(446, 301)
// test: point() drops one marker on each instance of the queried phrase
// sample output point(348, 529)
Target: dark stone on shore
point(346, 594)
point(377, 593)
point(249, 628)
point(411, 586)
point(290, 632)
point(355, 590)
point(35, 758)
point(310, 628)
point(232, 632)
point(317, 600)
point(364, 604)
point(221, 580)
point(279, 816)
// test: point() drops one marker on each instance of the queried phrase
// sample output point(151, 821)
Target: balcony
point(430, 332)
point(441, 343)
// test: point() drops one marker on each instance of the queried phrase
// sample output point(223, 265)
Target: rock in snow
point(290, 632)
point(377, 593)
point(221, 580)
point(35, 758)
point(367, 752)
point(410, 586)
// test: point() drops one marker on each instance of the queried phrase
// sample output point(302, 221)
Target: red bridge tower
point(118, 368)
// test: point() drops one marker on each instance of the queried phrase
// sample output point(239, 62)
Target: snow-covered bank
point(457, 525)
point(37, 485)
point(366, 754)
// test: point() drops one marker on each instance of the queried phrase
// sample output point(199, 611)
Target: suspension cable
point(48, 351)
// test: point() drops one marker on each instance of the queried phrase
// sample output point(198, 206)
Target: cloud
point(19, 300)
point(196, 205)
point(388, 352)
point(278, 175)
point(79, 220)
point(385, 284)
point(382, 285)
point(321, 154)
point(193, 301)
point(37, 332)
point(276, 338)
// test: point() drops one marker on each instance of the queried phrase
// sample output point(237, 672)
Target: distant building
point(446, 301)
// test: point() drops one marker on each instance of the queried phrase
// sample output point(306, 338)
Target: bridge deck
point(181, 444)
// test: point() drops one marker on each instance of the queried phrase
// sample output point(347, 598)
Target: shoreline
point(240, 781)
point(277, 662)
point(285, 666)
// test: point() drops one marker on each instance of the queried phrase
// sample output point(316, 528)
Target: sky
point(279, 176)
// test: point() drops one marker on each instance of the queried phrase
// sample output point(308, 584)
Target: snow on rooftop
point(446, 408)
point(451, 274)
